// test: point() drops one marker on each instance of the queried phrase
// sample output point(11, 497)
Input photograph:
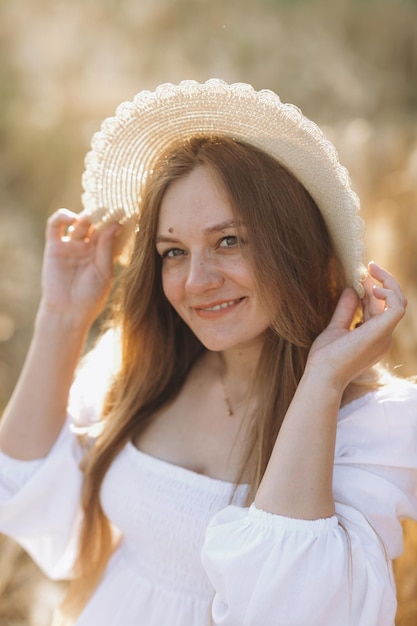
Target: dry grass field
point(351, 65)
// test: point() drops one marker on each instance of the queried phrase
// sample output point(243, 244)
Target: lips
point(222, 305)
point(215, 308)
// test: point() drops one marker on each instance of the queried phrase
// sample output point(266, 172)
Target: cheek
point(171, 286)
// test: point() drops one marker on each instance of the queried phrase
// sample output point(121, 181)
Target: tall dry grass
point(349, 64)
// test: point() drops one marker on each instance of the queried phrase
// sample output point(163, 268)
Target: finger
point(374, 300)
point(371, 305)
point(59, 222)
point(80, 229)
point(106, 247)
point(390, 300)
point(387, 280)
point(382, 324)
point(345, 309)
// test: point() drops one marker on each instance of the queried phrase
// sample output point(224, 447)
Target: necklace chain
point(230, 410)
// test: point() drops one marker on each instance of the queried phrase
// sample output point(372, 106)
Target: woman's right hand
point(78, 265)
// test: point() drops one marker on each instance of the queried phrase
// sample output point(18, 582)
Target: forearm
point(298, 479)
point(37, 409)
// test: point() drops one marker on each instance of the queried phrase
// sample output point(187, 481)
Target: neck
point(236, 369)
point(241, 362)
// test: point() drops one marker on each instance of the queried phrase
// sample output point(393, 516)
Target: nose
point(203, 274)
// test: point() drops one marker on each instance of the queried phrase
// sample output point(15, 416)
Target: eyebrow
point(232, 223)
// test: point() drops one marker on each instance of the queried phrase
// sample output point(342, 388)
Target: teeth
point(218, 307)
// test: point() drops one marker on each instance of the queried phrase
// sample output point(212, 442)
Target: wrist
point(322, 382)
point(68, 322)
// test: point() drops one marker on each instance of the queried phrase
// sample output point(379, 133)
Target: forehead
point(197, 199)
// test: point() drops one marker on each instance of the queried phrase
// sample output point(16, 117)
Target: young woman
point(228, 453)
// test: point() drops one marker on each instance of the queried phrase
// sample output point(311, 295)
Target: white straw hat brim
point(124, 151)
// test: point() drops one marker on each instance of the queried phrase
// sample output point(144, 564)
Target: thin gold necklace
point(230, 409)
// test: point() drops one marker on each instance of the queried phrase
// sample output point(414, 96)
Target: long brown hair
point(299, 277)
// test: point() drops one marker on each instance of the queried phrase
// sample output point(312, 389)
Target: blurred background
point(350, 65)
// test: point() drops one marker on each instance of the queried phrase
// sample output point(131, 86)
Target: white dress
point(189, 547)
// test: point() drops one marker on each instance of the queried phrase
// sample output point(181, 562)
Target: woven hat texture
point(125, 149)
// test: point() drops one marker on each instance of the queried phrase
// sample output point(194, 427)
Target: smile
point(219, 307)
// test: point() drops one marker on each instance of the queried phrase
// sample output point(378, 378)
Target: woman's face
point(205, 277)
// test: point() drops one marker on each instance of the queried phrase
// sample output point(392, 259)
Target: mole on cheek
point(170, 229)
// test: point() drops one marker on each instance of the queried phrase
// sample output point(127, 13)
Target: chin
point(216, 344)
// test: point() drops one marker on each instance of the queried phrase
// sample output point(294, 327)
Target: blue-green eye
point(228, 242)
point(172, 253)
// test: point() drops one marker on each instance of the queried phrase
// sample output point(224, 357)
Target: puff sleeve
point(39, 504)
point(276, 571)
point(40, 499)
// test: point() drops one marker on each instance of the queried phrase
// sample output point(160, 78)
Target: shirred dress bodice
point(163, 511)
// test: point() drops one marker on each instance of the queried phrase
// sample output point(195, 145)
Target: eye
point(171, 253)
point(229, 241)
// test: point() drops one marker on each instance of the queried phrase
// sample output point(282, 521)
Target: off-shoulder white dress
point(189, 547)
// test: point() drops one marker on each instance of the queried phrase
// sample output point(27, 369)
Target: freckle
point(170, 229)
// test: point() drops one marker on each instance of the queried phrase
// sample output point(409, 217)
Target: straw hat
point(127, 146)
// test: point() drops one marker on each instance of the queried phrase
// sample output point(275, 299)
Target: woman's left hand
point(342, 353)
